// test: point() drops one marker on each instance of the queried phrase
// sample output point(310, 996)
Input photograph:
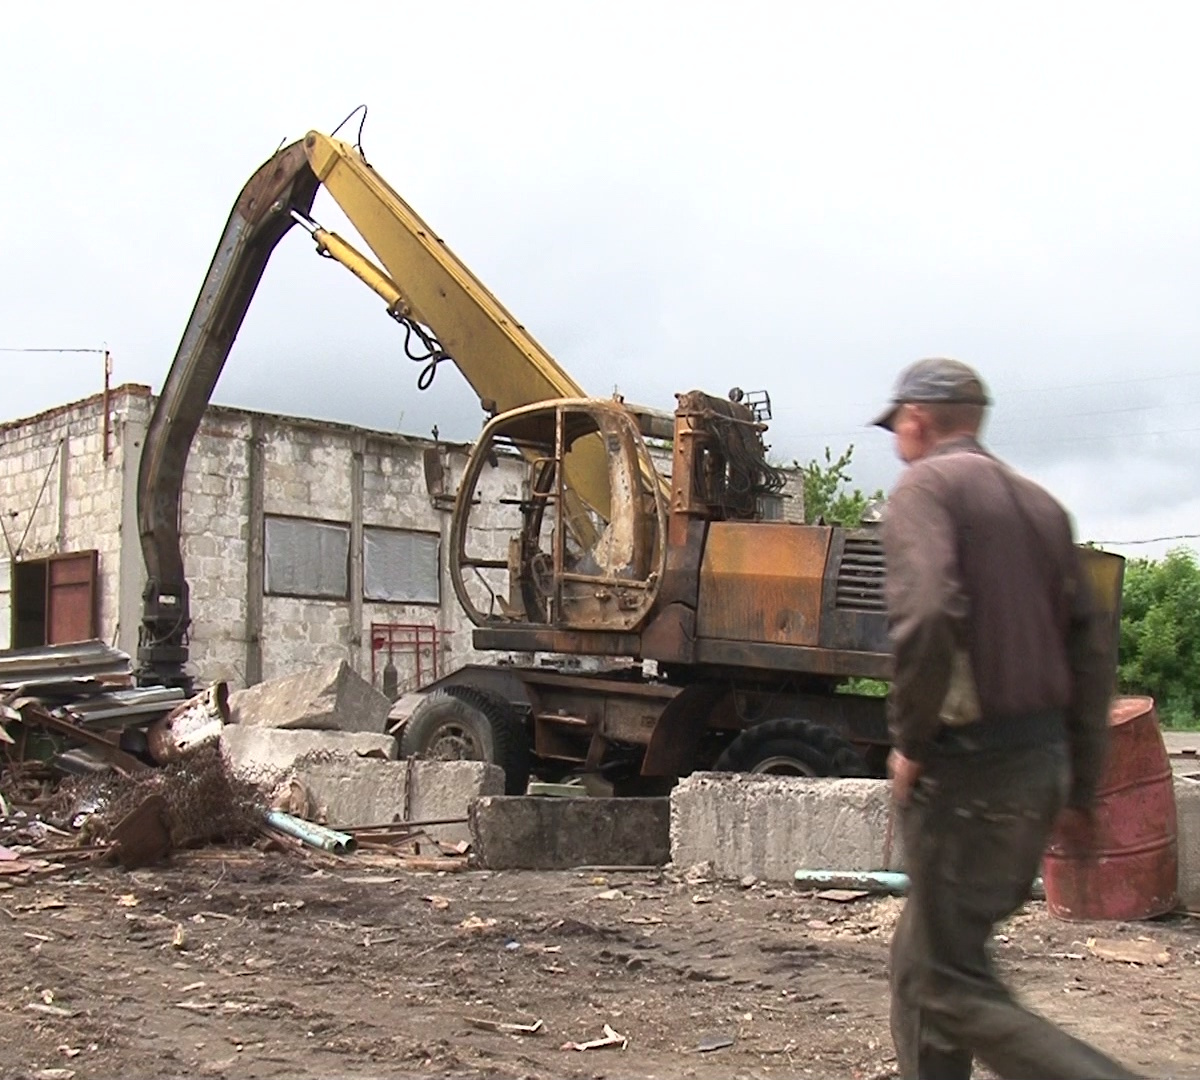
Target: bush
point(828, 497)
point(1160, 635)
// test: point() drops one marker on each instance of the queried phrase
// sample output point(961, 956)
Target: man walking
point(998, 712)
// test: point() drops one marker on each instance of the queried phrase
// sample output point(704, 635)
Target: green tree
point(1160, 634)
point(829, 497)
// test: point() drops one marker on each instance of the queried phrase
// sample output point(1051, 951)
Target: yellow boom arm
point(423, 284)
point(423, 279)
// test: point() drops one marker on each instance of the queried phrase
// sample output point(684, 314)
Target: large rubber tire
point(464, 723)
point(788, 747)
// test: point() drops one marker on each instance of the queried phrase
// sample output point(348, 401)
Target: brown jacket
point(991, 617)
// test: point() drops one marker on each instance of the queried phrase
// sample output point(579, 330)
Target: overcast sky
point(794, 197)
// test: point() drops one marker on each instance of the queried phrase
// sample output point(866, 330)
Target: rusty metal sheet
point(522, 639)
point(71, 597)
point(52, 663)
point(143, 836)
point(762, 581)
point(798, 658)
point(32, 712)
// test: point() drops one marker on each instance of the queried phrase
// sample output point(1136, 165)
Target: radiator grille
point(860, 575)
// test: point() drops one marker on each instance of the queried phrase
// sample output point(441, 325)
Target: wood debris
point(1139, 951)
point(842, 896)
point(506, 1028)
point(609, 1038)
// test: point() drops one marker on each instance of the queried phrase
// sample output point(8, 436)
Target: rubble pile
point(74, 710)
point(95, 768)
point(203, 802)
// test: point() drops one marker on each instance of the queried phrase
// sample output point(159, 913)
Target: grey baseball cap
point(937, 379)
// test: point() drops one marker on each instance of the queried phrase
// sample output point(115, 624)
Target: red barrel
point(1133, 871)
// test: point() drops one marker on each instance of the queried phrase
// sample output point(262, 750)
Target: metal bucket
point(1133, 870)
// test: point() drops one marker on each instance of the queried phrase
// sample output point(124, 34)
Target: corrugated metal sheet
point(119, 708)
point(67, 669)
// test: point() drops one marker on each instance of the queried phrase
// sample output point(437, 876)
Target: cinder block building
point(305, 541)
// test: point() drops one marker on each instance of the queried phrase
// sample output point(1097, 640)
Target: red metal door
point(71, 608)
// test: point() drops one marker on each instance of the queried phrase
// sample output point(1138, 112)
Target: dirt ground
point(238, 962)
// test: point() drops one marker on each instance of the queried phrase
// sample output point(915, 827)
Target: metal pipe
point(314, 835)
point(875, 881)
point(105, 399)
point(399, 826)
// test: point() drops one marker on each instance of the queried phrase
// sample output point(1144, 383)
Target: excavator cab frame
point(604, 578)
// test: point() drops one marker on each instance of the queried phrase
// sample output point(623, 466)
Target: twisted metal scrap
point(206, 803)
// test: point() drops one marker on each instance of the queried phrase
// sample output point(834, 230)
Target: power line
point(1103, 382)
point(101, 352)
point(1149, 540)
point(1107, 437)
point(1100, 412)
point(1048, 389)
point(1004, 441)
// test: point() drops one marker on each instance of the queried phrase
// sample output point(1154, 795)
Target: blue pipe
point(874, 881)
point(314, 835)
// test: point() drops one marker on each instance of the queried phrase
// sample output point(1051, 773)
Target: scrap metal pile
point(74, 710)
point(92, 766)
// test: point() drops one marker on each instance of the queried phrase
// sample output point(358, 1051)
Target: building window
point(307, 558)
point(401, 567)
point(770, 507)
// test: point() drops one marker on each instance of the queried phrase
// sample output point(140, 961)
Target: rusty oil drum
point(1133, 871)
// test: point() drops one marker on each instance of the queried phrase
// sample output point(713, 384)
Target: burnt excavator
point(668, 625)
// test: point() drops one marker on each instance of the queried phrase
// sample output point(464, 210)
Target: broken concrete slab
point(370, 792)
point(772, 826)
point(262, 753)
point(1187, 815)
point(330, 697)
point(521, 832)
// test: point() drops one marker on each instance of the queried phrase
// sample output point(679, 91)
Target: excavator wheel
point(787, 747)
point(464, 723)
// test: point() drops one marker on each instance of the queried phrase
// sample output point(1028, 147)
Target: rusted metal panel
point(671, 750)
point(620, 712)
point(547, 680)
point(143, 836)
point(32, 712)
point(798, 658)
point(540, 639)
point(71, 597)
point(762, 582)
point(671, 632)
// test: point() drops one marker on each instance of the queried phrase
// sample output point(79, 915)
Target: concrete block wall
point(5, 601)
point(215, 527)
point(60, 495)
point(770, 826)
point(308, 473)
point(1187, 810)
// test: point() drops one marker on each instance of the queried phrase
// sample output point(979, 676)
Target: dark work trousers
point(974, 832)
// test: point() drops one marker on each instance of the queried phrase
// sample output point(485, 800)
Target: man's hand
point(904, 773)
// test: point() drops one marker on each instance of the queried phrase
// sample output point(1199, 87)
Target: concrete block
point(330, 697)
point(518, 832)
point(1187, 810)
point(772, 826)
point(260, 753)
point(366, 791)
